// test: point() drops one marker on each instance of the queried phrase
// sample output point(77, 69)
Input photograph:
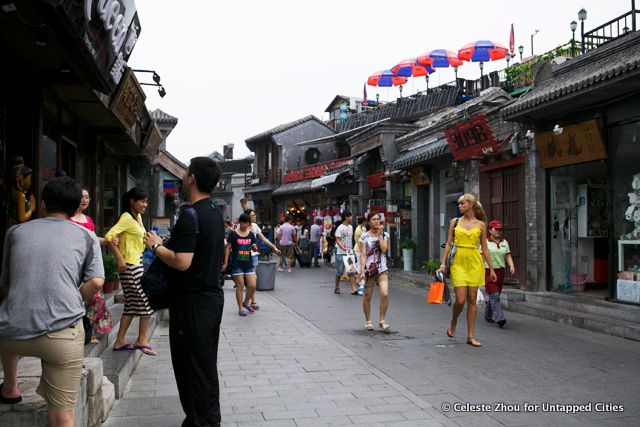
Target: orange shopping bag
point(435, 293)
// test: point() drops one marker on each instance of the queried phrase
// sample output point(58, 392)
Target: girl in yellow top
point(130, 232)
point(467, 271)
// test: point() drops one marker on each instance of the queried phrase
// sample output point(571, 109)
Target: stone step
point(119, 365)
point(607, 325)
point(629, 313)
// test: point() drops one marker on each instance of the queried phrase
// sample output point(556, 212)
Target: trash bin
point(266, 275)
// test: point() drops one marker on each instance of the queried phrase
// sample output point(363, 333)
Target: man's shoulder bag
point(154, 281)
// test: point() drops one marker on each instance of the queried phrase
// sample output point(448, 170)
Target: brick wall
point(535, 222)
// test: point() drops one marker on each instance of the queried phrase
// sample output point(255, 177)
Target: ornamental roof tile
point(615, 60)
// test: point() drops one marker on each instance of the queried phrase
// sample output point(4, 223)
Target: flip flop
point(124, 347)
point(9, 400)
point(255, 306)
point(243, 312)
point(448, 334)
point(473, 342)
point(336, 291)
point(146, 349)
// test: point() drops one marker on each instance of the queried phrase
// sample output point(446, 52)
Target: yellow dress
point(467, 268)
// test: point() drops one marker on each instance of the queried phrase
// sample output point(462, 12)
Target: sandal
point(368, 325)
point(249, 308)
point(336, 291)
point(385, 326)
point(243, 312)
point(450, 335)
point(255, 306)
point(146, 349)
point(473, 342)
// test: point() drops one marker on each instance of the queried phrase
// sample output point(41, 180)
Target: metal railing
point(611, 30)
point(404, 108)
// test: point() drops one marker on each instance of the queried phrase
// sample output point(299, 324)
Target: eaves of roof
point(282, 128)
point(616, 60)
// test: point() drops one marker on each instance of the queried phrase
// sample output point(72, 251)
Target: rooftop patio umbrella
point(482, 51)
point(385, 79)
point(411, 68)
point(439, 58)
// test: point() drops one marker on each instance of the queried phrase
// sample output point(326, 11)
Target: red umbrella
point(439, 58)
point(410, 68)
point(482, 51)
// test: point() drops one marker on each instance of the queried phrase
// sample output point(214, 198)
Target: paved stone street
point(305, 359)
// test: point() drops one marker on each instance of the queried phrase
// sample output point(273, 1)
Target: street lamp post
point(377, 99)
point(508, 58)
point(426, 78)
point(481, 75)
point(521, 51)
point(573, 26)
point(400, 91)
point(582, 16)
point(534, 33)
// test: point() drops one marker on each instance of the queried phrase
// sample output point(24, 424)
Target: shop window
point(578, 229)
point(68, 154)
point(624, 142)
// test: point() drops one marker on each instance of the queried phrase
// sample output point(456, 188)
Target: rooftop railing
point(611, 30)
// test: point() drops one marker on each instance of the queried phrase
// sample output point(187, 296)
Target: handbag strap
point(453, 237)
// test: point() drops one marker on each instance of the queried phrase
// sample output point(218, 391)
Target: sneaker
point(501, 323)
point(280, 269)
point(488, 319)
point(288, 270)
point(361, 290)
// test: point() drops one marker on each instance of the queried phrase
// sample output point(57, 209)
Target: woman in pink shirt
point(97, 312)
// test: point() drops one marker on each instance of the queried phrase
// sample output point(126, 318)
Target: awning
point(324, 180)
point(421, 154)
point(293, 188)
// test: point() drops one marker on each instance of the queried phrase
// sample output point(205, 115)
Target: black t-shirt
point(241, 249)
point(198, 286)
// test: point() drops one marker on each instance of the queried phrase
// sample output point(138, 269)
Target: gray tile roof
point(294, 187)
point(615, 60)
point(162, 117)
point(283, 127)
point(421, 154)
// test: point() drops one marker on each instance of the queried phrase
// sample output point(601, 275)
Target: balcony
point(611, 30)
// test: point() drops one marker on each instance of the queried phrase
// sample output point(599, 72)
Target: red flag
point(512, 42)
point(365, 102)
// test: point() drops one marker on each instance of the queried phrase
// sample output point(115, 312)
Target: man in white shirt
point(344, 246)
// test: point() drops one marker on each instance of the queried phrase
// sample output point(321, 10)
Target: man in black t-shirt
point(195, 254)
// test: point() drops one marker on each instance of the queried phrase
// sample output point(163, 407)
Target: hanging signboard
point(472, 138)
point(576, 144)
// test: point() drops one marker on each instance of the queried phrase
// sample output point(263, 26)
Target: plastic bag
point(350, 266)
point(436, 291)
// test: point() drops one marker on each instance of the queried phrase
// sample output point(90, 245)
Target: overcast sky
point(235, 69)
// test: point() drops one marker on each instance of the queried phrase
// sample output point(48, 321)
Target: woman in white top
point(374, 244)
point(254, 255)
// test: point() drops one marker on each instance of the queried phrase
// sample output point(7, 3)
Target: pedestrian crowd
point(42, 310)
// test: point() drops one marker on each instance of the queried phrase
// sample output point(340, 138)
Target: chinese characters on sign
point(576, 144)
point(315, 171)
point(472, 138)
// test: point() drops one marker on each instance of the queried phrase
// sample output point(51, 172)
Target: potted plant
point(408, 247)
point(111, 282)
point(430, 266)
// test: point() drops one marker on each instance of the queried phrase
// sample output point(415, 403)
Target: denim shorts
point(238, 270)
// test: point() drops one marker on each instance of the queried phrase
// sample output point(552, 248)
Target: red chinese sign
point(315, 171)
point(472, 138)
point(376, 180)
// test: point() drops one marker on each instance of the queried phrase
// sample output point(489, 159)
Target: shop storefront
point(584, 160)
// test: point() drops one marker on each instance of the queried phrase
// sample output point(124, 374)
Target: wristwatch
point(155, 246)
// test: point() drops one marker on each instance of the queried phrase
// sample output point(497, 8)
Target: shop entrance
point(501, 195)
point(578, 229)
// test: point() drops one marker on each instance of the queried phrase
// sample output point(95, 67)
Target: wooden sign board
point(576, 144)
point(420, 176)
point(471, 138)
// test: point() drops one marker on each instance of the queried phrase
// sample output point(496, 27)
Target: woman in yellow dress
point(467, 271)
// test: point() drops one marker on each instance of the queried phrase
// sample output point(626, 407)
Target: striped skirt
point(135, 300)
